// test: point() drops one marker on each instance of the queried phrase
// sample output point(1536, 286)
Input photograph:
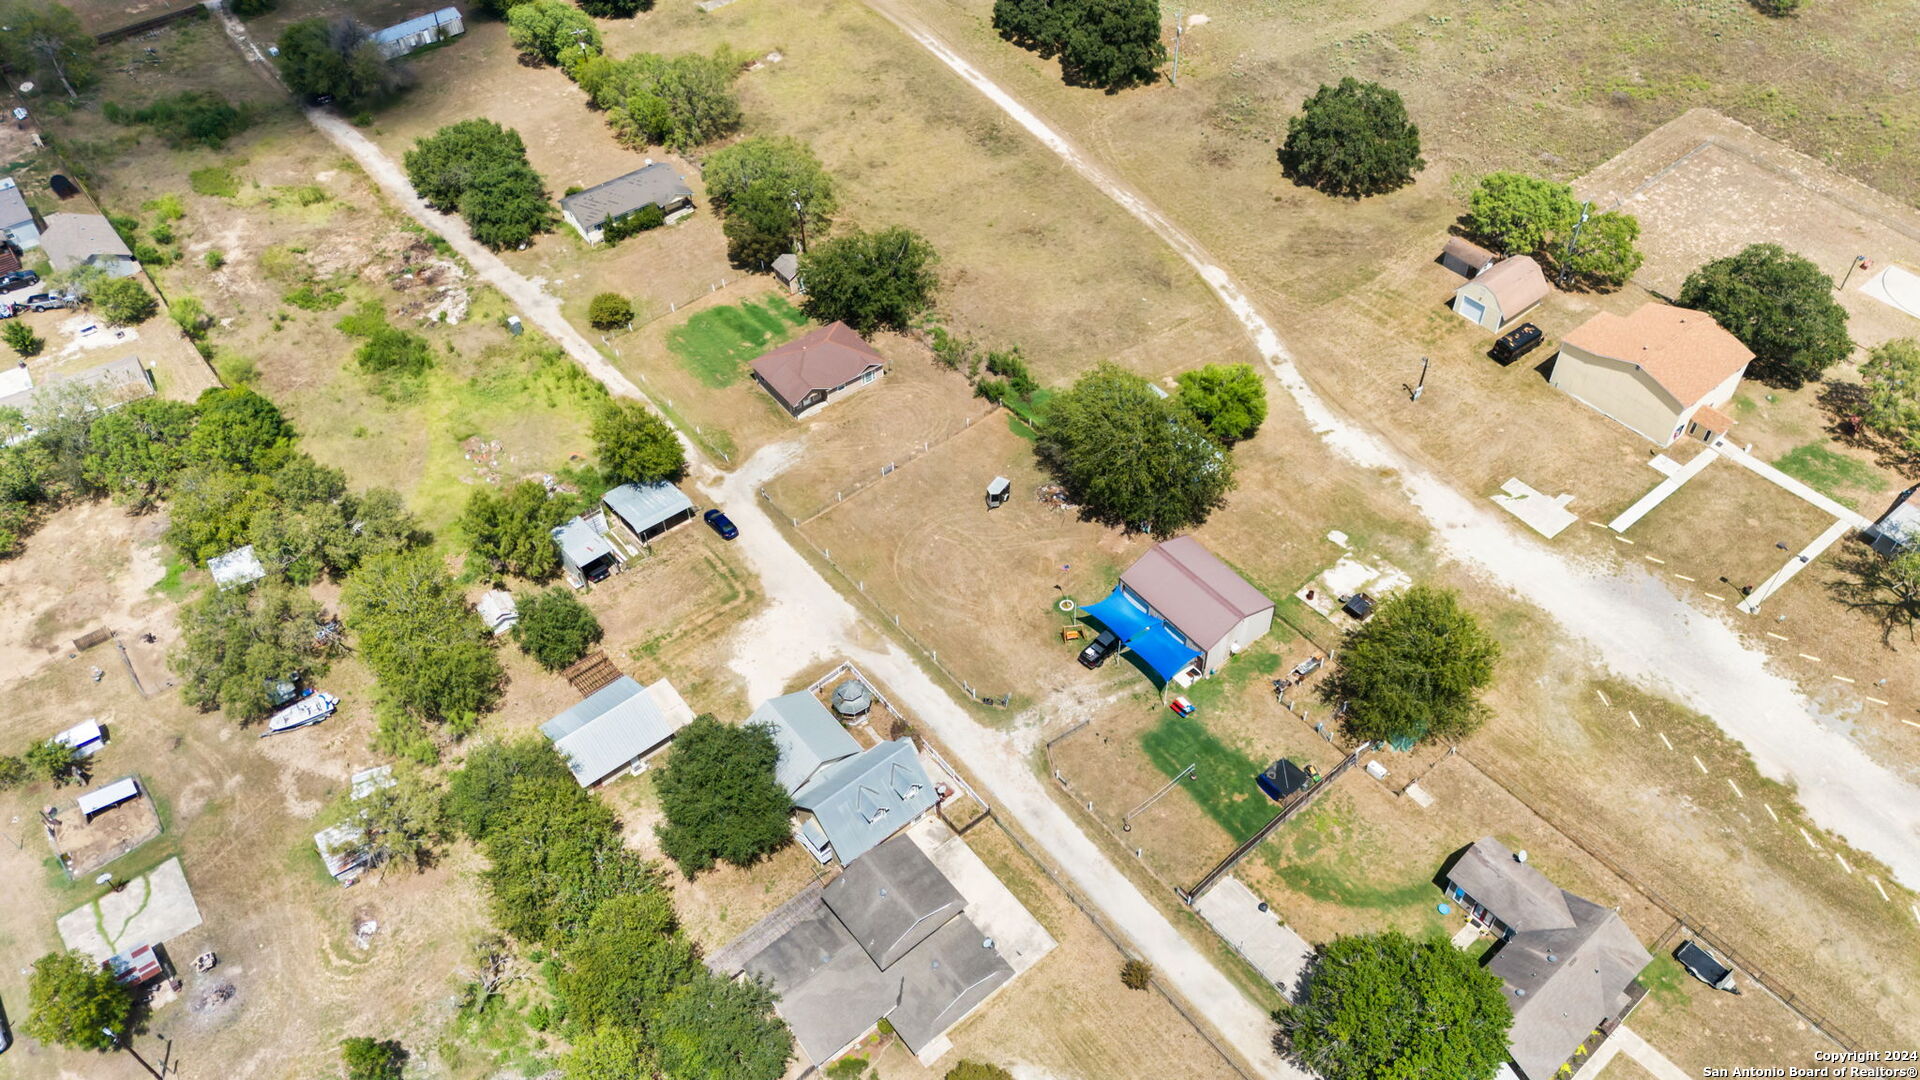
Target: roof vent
point(936, 965)
point(883, 892)
point(986, 943)
point(1552, 959)
point(1519, 992)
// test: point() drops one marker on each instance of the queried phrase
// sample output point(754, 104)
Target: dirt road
point(806, 619)
point(1631, 620)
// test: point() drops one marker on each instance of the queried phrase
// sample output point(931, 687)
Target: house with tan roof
point(1501, 293)
point(1663, 371)
point(813, 370)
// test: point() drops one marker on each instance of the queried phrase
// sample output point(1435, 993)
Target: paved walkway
point(1273, 949)
point(1628, 1041)
point(1799, 562)
point(1791, 486)
point(1674, 482)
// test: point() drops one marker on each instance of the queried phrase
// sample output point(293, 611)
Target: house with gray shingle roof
point(16, 218)
point(75, 240)
point(657, 184)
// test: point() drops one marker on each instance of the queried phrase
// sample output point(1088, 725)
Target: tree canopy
point(1351, 140)
point(720, 796)
point(1519, 214)
point(1779, 305)
point(337, 58)
point(1414, 671)
point(1229, 400)
point(235, 642)
point(546, 29)
point(1110, 44)
point(1387, 1006)
point(621, 968)
point(870, 280)
point(479, 169)
point(432, 655)
point(239, 429)
point(123, 302)
point(717, 1029)
point(134, 451)
point(680, 102)
point(609, 310)
point(555, 628)
point(373, 1059)
point(45, 39)
point(1891, 375)
point(1129, 457)
point(635, 446)
point(72, 1001)
point(609, 1053)
point(511, 531)
point(773, 192)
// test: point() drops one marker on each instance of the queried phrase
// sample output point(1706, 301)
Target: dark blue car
point(721, 524)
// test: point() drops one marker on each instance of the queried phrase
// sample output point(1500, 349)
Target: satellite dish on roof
point(1520, 856)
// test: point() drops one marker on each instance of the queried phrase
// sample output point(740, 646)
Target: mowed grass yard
point(715, 345)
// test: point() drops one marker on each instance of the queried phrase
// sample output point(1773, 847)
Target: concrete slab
point(1674, 482)
point(1275, 951)
point(1421, 798)
point(1466, 936)
point(1548, 517)
point(1664, 465)
point(1349, 576)
point(1017, 936)
point(150, 910)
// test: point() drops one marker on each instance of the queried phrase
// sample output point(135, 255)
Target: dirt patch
point(87, 844)
point(87, 567)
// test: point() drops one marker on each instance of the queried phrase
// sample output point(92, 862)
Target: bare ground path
point(806, 618)
point(1634, 623)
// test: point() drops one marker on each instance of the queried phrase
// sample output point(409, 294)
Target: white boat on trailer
point(311, 709)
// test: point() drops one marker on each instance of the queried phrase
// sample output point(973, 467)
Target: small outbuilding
point(590, 211)
point(107, 797)
point(135, 967)
point(76, 240)
point(1899, 527)
point(1501, 293)
point(419, 32)
point(648, 510)
point(1662, 371)
point(1282, 778)
point(617, 727)
point(818, 368)
point(1466, 258)
point(16, 219)
point(585, 554)
point(999, 490)
point(236, 568)
point(786, 268)
point(498, 610)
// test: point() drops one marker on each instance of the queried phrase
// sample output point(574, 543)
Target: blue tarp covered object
point(1123, 615)
point(1162, 650)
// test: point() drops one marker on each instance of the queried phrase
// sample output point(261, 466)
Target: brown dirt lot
point(86, 568)
point(89, 844)
point(1723, 525)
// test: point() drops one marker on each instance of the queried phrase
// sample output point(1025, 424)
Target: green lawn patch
point(171, 584)
point(218, 181)
point(715, 345)
point(1827, 471)
point(1223, 782)
point(1666, 980)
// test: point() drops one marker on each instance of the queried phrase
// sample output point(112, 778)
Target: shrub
point(21, 339)
point(974, 1070)
point(123, 302)
point(1136, 974)
point(214, 260)
point(645, 219)
point(1229, 399)
point(307, 298)
point(609, 310)
point(188, 118)
point(218, 181)
point(1351, 140)
point(166, 208)
point(390, 351)
point(373, 1059)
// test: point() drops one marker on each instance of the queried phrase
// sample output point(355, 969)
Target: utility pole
point(1179, 31)
point(128, 1047)
point(800, 211)
point(1421, 386)
point(1857, 260)
point(1573, 244)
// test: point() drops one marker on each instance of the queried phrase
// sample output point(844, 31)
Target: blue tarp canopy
point(1149, 639)
point(1163, 651)
point(1123, 615)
